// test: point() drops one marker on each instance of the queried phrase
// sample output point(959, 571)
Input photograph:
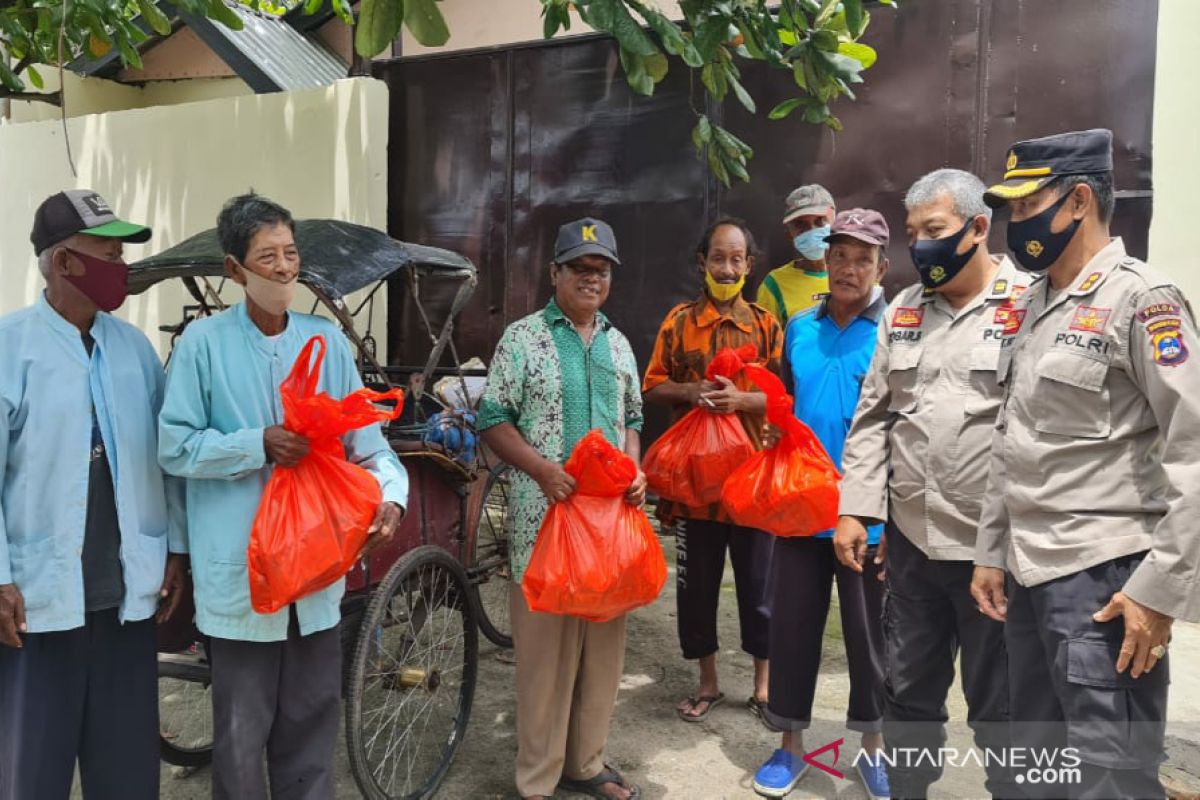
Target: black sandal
point(592, 786)
point(759, 709)
point(713, 700)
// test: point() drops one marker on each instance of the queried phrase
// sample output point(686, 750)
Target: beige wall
point(1175, 159)
point(486, 23)
point(322, 153)
point(97, 95)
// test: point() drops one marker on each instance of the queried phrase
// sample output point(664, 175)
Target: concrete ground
point(717, 757)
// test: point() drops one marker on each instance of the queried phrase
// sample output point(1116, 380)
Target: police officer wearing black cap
point(1091, 506)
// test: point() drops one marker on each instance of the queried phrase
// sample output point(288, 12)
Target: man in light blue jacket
point(86, 519)
point(276, 677)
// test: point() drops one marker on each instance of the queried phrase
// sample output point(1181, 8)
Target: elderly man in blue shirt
point(276, 677)
point(86, 519)
point(827, 352)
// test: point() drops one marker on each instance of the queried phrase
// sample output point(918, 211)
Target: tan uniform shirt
point(1097, 448)
point(926, 414)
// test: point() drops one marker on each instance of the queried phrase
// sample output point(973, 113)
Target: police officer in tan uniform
point(1093, 503)
point(917, 457)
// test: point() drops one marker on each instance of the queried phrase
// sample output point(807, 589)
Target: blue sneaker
point(874, 778)
point(780, 774)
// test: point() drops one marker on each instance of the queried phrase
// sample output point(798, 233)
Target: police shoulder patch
point(1166, 342)
point(1158, 310)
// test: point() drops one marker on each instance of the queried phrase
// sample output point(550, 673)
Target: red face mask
point(106, 283)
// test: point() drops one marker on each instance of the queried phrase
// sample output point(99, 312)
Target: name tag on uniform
point(908, 317)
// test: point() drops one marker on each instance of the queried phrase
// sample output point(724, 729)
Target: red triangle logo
point(811, 758)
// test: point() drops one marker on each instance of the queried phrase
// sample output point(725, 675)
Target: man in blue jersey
point(827, 351)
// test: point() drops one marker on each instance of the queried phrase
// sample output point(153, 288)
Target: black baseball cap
point(1033, 163)
point(585, 237)
point(65, 214)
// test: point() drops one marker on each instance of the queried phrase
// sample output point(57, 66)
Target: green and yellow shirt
point(554, 388)
point(790, 289)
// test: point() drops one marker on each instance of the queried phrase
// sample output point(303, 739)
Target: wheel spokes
point(414, 681)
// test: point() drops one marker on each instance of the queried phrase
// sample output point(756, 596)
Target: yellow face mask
point(723, 292)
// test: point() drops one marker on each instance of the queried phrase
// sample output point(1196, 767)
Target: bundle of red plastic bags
point(596, 556)
point(691, 461)
point(790, 489)
point(313, 518)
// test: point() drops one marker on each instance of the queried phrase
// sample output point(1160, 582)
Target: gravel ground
point(717, 757)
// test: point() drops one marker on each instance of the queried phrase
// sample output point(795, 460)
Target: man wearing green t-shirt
point(802, 282)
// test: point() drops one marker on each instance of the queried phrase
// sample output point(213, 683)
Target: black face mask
point(936, 259)
point(1032, 242)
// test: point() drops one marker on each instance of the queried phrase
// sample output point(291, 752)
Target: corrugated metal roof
point(285, 58)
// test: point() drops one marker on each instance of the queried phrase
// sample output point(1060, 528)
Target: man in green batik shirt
point(556, 375)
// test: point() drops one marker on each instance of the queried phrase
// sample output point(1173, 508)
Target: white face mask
point(271, 296)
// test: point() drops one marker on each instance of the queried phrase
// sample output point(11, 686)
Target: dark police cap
point(1035, 162)
point(585, 237)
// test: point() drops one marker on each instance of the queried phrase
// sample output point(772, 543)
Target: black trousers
point(1066, 691)
point(90, 694)
point(283, 698)
point(700, 563)
point(929, 620)
point(802, 575)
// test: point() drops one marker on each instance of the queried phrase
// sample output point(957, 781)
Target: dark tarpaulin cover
point(336, 258)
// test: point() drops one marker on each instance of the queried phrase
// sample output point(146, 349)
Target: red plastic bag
point(596, 556)
point(312, 520)
point(790, 489)
point(691, 461)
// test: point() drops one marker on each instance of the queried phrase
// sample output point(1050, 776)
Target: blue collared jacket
point(48, 385)
point(222, 392)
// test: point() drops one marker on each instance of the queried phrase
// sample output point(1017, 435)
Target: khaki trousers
point(568, 671)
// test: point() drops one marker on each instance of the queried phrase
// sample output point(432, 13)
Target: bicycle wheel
point(185, 712)
point(413, 677)
point(491, 575)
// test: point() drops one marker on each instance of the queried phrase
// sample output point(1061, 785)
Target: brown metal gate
point(491, 150)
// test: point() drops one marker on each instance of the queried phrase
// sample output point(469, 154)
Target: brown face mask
point(105, 283)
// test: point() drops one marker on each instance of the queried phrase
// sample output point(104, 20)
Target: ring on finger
point(1158, 651)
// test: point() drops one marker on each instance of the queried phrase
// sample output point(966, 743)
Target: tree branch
point(53, 98)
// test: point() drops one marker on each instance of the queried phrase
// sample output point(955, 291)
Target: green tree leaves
point(30, 30)
point(379, 23)
point(815, 40)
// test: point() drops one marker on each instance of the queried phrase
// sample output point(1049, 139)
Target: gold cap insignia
point(1012, 160)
